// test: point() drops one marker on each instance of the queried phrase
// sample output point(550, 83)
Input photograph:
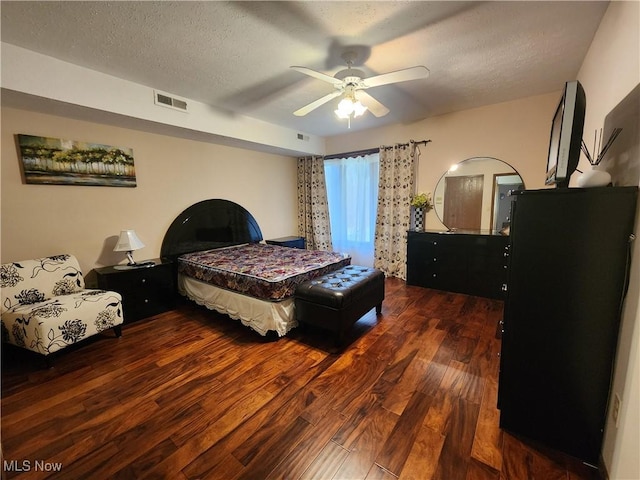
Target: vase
point(418, 219)
point(594, 178)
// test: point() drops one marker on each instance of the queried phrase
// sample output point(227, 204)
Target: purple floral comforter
point(269, 272)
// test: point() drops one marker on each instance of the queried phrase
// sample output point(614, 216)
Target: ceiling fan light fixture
point(358, 109)
point(345, 108)
point(348, 107)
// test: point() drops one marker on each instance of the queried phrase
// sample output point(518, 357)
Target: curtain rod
point(357, 153)
point(369, 151)
point(423, 142)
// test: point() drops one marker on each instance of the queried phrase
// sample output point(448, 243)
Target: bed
point(223, 264)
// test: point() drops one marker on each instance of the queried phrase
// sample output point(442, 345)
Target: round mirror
point(474, 195)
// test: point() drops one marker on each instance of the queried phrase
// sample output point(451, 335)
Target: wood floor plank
point(305, 452)
point(228, 468)
point(82, 467)
point(290, 400)
point(473, 385)
point(521, 457)
point(487, 442)
point(465, 348)
point(136, 469)
point(422, 461)
point(394, 372)
point(279, 447)
point(456, 451)
point(348, 381)
point(140, 443)
point(439, 414)
point(327, 463)
point(413, 375)
point(204, 439)
point(398, 445)
point(378, 473)
point(481, 471)
point(19, 407)
point(365, 444)
point(287, 412)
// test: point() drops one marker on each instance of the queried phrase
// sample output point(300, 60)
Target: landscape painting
point(56, 161)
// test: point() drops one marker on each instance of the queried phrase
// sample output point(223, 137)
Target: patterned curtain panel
point(313, 209)
point(396, 185)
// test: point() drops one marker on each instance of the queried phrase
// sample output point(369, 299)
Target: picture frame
point(55, 161)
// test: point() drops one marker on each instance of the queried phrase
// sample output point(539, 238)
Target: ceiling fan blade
point(319, 75)
point(313, 105)
point(374, 106)
point(413, 73)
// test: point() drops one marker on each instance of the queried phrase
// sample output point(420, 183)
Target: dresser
point(145, 291)
point(292, 242)
point(473, 263)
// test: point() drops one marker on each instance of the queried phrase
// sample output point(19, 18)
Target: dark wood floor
point(193, 394)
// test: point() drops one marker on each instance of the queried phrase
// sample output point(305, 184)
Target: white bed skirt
point(259, 315)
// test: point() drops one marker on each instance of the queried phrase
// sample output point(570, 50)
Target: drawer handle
point(144, 280)
point(146, 300)
point(504, 287)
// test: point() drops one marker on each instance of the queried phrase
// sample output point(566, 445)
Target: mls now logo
point(28, 465)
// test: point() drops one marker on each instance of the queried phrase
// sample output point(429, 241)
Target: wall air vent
point(167, 100)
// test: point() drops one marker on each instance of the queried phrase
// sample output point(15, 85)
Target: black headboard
point(210, 224)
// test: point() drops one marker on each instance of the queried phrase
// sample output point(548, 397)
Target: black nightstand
point(293, 242)
point(145, 291)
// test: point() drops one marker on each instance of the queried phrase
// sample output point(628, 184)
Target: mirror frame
point(491, 176)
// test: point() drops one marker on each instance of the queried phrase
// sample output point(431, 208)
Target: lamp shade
point(128, 241)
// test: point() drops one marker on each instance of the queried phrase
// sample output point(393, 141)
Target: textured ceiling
point(236, 55)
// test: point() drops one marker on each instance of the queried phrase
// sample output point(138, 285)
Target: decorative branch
point(597, 143)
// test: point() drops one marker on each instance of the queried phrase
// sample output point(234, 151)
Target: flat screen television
point(566, 135)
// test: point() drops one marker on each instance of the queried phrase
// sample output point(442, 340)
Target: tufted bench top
point(340, 288)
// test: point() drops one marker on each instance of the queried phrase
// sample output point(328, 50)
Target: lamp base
point(135, 265)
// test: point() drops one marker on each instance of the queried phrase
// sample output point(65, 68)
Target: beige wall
point(172, 173)
point(516, 132)
point(609, 72)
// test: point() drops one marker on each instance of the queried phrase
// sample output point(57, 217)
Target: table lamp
point(128, 241)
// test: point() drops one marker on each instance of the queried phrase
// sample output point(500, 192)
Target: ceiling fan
point(351, 80)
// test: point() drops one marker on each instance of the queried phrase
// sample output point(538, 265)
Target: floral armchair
point(45, 306)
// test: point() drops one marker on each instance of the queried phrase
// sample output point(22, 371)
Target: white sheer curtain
point(352, 193)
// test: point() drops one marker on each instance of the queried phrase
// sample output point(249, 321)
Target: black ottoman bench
point(337, 300)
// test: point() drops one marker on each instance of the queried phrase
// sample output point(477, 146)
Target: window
point(352, 194)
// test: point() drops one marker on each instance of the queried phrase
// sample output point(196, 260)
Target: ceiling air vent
point(166, 100)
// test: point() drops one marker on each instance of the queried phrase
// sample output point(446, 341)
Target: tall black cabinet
point(568, 268)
